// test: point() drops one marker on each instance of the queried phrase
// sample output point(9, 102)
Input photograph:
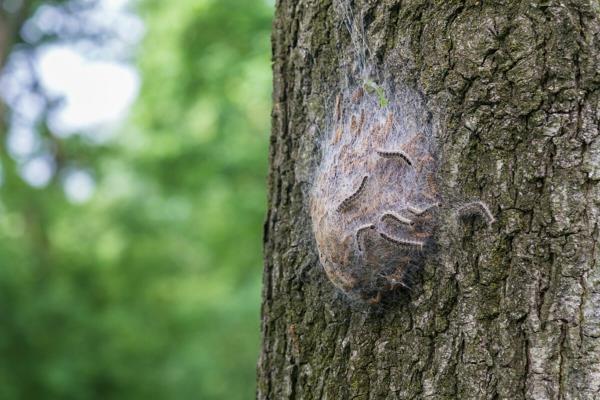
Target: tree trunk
point(10, 25)
point(510, 311)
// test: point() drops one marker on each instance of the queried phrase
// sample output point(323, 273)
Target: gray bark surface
point(507, 312)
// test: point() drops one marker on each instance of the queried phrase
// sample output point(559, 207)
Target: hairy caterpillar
point(399, 219)
point(344, 205)
point(478, 208)
point(369, 234)
point(395, 154)
point(403, 242)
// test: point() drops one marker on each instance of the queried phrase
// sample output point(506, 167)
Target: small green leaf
point(372, 87)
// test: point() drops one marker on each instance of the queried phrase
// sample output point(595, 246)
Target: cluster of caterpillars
point(472, 208)
point(406, 220)
point(370, 236)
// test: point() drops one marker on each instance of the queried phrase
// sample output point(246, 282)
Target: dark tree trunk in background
point(507, 312)
point(11, 23)
point(10, 26)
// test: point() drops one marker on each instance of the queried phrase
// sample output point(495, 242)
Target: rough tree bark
point(509, 312)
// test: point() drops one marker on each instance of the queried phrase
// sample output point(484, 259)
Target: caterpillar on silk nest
point(374, 201)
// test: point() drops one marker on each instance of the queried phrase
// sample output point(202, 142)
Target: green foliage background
point(150, 290)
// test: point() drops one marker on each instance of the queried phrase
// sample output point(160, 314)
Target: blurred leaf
point(151, 289)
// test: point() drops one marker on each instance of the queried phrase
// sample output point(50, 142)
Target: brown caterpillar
point(344, 205)
point(369, 234)
point(395, 154)
point(477, 208)
point(403, 242)
point(397, 218)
